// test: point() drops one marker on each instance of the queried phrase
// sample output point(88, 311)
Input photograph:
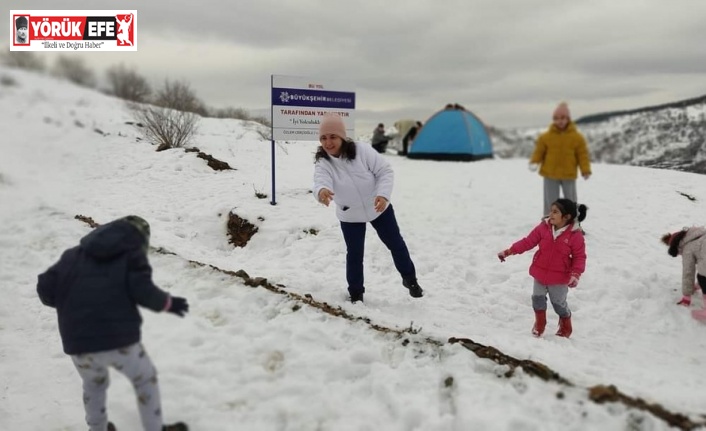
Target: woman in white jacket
point(359, 181)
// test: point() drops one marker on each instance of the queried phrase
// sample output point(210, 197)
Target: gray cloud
point(510, 62)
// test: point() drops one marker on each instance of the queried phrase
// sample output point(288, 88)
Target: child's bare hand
point(503, 254)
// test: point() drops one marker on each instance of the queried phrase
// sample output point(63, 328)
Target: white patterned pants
point(132, 361)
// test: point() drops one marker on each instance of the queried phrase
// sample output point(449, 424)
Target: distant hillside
point(594, 118)
point(670, 136)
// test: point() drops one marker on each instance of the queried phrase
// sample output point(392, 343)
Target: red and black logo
point(119, 28)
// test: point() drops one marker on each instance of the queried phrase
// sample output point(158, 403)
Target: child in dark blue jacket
point(96, 288)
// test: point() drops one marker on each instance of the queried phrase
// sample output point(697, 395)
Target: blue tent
point(452, 134)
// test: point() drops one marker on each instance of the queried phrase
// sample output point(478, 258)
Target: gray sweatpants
point(133, 362)
point(557, 296)
point(551, 191)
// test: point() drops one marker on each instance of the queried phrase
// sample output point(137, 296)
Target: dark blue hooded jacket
point(96, 287)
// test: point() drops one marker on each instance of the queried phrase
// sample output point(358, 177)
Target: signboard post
point(298, 104)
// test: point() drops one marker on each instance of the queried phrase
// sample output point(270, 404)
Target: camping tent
point(452, 134)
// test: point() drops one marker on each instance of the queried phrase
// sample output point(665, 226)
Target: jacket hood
point(693, 233)
point(112, 239)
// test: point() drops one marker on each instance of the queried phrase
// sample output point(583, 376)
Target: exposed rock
point(240, 230)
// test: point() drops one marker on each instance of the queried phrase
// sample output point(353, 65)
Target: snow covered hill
point(248, 358)
point(670, 138)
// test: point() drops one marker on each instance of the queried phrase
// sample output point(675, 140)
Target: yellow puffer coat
point(561, 152)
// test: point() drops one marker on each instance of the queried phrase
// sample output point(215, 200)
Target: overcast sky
point(508, 61)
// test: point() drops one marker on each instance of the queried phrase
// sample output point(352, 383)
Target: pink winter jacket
point(555, 260)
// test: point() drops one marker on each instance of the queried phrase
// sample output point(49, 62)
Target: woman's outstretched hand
point(325, 196)
point(380, 204)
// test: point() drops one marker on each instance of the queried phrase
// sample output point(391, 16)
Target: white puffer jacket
point(355, 183)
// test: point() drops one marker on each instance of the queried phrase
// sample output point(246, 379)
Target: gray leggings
point(557, 296)
point(551, 191)
point(133, 362)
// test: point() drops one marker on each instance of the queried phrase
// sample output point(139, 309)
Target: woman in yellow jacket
point(560, 152)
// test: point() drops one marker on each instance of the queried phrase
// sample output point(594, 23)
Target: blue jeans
point(389, 232)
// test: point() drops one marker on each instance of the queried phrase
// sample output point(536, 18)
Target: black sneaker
point(111, 427)
point(356, 297)
point(415, 290)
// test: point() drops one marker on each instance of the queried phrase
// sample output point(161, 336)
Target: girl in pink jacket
point(557, 265)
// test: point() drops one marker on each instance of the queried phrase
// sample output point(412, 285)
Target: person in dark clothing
point(95, 288)
point(409, 137)
point(380, 140)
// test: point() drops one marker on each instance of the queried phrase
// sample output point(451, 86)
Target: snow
point(246, 358)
